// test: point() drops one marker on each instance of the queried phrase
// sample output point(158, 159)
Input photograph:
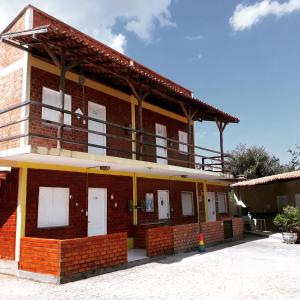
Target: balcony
point(120, 140)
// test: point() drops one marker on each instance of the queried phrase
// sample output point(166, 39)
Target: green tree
point(255, 162)
point(295, 157)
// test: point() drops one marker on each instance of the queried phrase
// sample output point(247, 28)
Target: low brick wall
point(64, 258)
point(92, 253)
point(214, 231)
point(237, 227)
point(159, 241)
point(169, 239)
point(40, 256)
point(186, 237)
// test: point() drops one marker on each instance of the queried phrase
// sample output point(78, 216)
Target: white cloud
point(245, 16)
point(194, 37)
point(108, 21)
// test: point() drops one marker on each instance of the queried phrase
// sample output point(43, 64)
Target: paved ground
point(254, 269)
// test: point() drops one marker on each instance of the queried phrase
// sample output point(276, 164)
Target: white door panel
point(163, 205)
point(97, 211)
point(97, 111)
point(211, 206)
point(161, 130)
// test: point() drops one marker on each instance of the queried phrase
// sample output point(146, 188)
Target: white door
point(282, 201)
point(163, 205)
point(161, 130)
point(97, 211)
point(97, 111)
point(211, 206)
point(297, 200)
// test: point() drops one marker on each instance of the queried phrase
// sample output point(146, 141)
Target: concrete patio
point(254, 268)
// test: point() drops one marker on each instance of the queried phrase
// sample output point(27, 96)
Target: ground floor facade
point(62, 222)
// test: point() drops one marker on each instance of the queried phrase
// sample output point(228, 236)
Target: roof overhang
point(99, 62)
point(115, 165)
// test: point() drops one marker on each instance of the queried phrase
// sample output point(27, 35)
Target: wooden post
point(62, 97)
point(221, 126)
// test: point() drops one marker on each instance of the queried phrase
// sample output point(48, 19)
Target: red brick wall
point(10, 95)
point(91, 253)
point(147, 185)
point(213, 232)
point(40, 255)
point(8, 54)
point(117, 111)
point(8, 215)
point(159, 241)
point(186, 237)
point(173, 126)
point(11, 89)
point(119, 219)
point(63, 258)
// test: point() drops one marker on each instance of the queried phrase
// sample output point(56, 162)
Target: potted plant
point(287, 222)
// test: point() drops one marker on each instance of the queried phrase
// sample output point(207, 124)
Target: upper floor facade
point(62, 90)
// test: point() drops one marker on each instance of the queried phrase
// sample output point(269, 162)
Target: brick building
point(97, 155)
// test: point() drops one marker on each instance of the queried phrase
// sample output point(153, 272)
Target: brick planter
point(169, 239)
point(214, 231)
point(72, 258)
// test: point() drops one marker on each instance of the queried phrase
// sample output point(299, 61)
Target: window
point(53, 208)
point(187, 203)
point(222, 204)
point(51, 97)
point(282, 201)
point(182, 137)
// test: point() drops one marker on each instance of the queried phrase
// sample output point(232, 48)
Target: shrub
point(288, 220)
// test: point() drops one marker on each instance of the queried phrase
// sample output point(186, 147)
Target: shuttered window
point(51, 97)
point(187, 203)
point(222, 205)
point(183, 139)
point(53, 210)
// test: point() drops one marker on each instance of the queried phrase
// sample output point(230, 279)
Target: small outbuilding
point(266, 196)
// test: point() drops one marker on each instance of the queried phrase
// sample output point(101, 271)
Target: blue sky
point(249, 66)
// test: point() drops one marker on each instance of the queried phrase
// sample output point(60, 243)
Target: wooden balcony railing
point(195, 157)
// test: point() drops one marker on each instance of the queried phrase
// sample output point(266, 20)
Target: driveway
point(255, 268)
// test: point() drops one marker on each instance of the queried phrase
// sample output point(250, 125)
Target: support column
point(21, 210)
point(62, 98)
point(133, 126)
point(134, 200)
point(205, 201)
point(221, 126)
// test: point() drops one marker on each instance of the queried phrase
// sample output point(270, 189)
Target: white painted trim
point(19, 217)
point(15, 151)
point(26, 80)
point(12, 67)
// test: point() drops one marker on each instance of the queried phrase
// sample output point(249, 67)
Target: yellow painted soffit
point(42, 166)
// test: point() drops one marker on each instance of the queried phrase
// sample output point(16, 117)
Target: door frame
point(105, 210)
point(215, 208)
point(158, 159)
point(105, 131)
point(169, 208)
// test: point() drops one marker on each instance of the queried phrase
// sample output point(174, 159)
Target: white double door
point(211, 206)
point(97, 111)
point(97, 211)
point(161, 141)
point(163, 204)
